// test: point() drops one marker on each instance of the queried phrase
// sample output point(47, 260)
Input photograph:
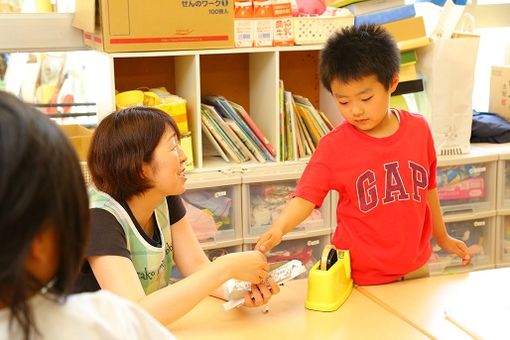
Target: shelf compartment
point(466, 184)
point(266, 194)
point(213, 205)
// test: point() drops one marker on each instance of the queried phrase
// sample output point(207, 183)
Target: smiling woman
point(139, 228)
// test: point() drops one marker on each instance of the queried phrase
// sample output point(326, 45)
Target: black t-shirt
point(107, 237)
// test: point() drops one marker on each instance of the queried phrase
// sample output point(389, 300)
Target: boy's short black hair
point(360, 51)
point(41, 186)
point(121, 143)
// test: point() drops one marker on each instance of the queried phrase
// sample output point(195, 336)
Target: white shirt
point(98, 315)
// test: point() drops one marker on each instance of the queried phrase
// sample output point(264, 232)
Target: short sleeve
point(176, 208)
point(106, 235)
point(314, 184)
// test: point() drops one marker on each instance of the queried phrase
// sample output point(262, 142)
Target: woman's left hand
point(261, 293)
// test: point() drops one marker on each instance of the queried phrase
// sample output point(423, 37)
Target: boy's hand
point(269, 240)
point(454, 246)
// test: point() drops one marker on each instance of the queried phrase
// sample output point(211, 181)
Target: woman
point(139, 228)
point(44, 223)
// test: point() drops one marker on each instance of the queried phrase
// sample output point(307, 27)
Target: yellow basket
point(177, 110)
point(129, 98)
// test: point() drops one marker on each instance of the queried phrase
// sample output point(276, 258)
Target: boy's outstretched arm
point(445, 241)
point(296, 211)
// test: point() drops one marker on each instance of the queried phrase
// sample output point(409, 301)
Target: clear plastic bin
point(266, 194)
point(213, 205)
point(467, 183)
point(504, 182)
point(307, 250)
point(503, 239)
point(214, 253)
point(477, 232)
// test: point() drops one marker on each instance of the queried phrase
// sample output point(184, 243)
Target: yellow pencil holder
point(328, 289)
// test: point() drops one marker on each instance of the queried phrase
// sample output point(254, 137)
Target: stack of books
point(301, 126)
point(232, 132)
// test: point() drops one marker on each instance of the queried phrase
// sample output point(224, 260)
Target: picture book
point(386, 15)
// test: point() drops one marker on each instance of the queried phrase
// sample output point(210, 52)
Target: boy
point(382, 163)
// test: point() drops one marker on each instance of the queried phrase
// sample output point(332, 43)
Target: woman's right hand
point(248, 266)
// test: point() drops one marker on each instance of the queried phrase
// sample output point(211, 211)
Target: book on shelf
point(311, 126)
point(310, 147)
point(290, 127)
point(413, 44)
point(216, 149)
point(221, 138)
point(340, 3)
point(369, 6)
point(386, 15)
point(298, 128)
point(258, 133)
point(409, 33)
point(236, 141)
point(248, 142)
point(224, 109)
point(410, 86)
point(407, 72)
point(281, 119)
point(326, 120)
point(303, 101)
point(408, 57)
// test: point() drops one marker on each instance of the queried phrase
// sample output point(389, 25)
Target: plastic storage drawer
point(503, 239)
point(308, 250)
point(467, 183)
point(214, 253)
point(477, 231)
point(213, 206)
point(266, 193)
point(504, 181)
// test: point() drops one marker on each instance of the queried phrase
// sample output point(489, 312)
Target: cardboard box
point(283, 25)
point(80, 138)
point(244, 26)
point(499, 99)
point(157, 25)
point(263, 22)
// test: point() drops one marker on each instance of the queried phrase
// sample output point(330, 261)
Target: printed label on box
point(499, 100)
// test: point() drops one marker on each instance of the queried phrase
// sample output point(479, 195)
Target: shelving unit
point(248, 76)
point(24, 32)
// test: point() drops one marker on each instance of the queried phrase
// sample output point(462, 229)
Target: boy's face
point(364, 103)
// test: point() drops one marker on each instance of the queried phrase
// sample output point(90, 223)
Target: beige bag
point(448, 69)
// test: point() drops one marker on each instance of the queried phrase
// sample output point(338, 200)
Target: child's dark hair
point(122, 142)
point(41, 186)
point(356, 52)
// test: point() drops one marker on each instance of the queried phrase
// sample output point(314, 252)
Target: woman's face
point(166, 170)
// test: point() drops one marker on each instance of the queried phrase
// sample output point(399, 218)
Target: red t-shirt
point(383, 217)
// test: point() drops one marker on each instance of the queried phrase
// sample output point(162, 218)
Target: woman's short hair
point(121, 143)
point(41, 186)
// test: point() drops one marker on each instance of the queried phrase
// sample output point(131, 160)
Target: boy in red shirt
point(381, 161)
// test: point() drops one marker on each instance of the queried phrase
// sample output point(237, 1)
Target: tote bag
point(448, 69)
